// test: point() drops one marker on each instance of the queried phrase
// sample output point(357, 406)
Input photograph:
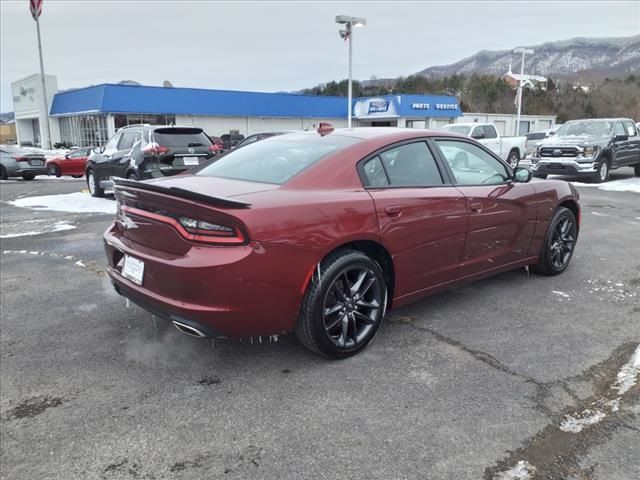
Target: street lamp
point(347, 34)
point(523, 51)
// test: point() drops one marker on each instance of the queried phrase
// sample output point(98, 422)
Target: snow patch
point(585, 418)
point(628, 374)
point(54, 227)
point(625, 185)
point(523, 470)
point(77, 202)
point(562, 294)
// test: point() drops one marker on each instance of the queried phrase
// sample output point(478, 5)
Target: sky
point(277, 46)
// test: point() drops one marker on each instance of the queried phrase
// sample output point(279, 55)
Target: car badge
point(557, 152)
point(191, 150)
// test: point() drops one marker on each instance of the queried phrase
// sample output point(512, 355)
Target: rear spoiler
point(179, 192)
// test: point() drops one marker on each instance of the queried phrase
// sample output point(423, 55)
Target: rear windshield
point(181, 137)
point(457, 129)
point(535, 136)
point(276, 159)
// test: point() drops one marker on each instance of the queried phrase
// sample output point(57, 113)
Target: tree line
point(617, 97)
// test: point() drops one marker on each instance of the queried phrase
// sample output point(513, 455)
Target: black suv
point(140, 152)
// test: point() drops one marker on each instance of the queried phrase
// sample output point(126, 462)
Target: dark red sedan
point(73, 163)
point(320, 234)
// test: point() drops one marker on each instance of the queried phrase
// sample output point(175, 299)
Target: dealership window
point(122, 120)
point(35, 125)
point(525, 126)
point(84, 130)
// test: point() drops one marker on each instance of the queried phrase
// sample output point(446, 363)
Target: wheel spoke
point(365, 288)
point(334, 324)
point(372, 304)
point(356, 286)
point(346, 285)
point(354, 328)
point(363, 317)
point(339, 293)
point(343, 333)
point(331, 310)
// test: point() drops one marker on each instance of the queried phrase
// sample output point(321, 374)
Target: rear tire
point(77, 176)
point(94, 185)
point(636, 169)
point(342, 312)
point(3, 173)
point(602, 175)
point(559, 243)
point(28, 176)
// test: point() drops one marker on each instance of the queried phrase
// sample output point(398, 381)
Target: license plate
point(133, 269)
point(191, 160)
point(36, 163)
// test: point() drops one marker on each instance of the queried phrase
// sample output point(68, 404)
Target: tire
point(77, 176)
point(3, 173)
point(543, 176)
point(54, 171)
point(337, 324)
point(555, 257)
point(28, 176)
point(636, 169)
point(513, 159)
point(602, 175)
point(94, 186)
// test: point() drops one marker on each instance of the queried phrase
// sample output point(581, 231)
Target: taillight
point(155, 149)
point(215, 148)
point(21, 159)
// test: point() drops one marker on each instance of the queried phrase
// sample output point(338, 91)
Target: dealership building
point(89, 116)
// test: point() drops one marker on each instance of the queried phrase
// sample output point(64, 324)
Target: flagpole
point(44, 86)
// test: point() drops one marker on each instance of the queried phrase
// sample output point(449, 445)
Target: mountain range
point(578, 58)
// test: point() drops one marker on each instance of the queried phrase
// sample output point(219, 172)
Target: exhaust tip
point(188, 329)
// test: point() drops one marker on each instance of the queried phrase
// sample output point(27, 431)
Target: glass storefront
point(84, 130)
point(122, 120)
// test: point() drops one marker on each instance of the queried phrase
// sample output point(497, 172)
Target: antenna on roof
point(167, 84)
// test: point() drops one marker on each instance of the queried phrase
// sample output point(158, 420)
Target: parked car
point(589, 148)
point(141, 152)
point(510, 149)
point(19, 162)
point(259, 136)
point(73, 163)
point(322, 233)
point(534, 139)
point(230, 140)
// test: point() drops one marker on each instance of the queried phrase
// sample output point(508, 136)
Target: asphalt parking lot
point(515, 377)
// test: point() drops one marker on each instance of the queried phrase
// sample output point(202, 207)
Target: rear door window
point(490, 131)
point(411, 165)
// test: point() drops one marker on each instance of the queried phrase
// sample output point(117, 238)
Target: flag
point(35, 6)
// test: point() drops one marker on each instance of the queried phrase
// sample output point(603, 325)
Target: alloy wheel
point(91, 183)
point(563, 242)
point(604, 171)
point(352, 306)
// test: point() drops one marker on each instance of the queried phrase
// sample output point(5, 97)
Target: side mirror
point(66, 156)
point(522, 175)
point(551, 134)
point(478, 135)
point(621, 138)
point(97, 150)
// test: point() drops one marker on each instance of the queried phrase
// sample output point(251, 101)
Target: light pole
point(523, 51)
point(347, 34)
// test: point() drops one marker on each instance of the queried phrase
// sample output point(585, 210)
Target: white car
point(510, 149)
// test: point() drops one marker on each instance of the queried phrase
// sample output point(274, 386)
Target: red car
point(321, 233)
point(73, 163)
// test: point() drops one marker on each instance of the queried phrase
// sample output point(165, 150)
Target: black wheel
point(602, 175)
point(636, 169)
point(342, 310)
point(94, 186)
point(514, 158)
point(543, 176)
point(54, 171)
point(28, 176)
point(3, 173)
point(559, 243)
point(77, 176)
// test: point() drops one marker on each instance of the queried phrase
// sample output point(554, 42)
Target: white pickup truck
point(511, 149)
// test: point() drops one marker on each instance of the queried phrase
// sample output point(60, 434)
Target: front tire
point(559, 243)
point(513, 159)
point(28, 176)
point(3, 173)
point(94, 186)
point(602, 175)
point(54, 171)
point(343, 309)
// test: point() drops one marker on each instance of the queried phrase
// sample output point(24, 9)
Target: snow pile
point(77, 202)
point(47, 228)
point(628, 374)
point(523, 470)
point(625, 185)
point(575, 423)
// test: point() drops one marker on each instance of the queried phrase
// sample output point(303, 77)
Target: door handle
point(475, 207)
point(393, 211)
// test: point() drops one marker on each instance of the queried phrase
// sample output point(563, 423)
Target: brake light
point(215, 148)
point(155, 149)
point(21, 159)
point(193, 229)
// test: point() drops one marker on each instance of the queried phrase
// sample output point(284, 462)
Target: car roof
point(386, 133)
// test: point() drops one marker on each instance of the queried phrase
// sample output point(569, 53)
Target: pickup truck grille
point(558, 152)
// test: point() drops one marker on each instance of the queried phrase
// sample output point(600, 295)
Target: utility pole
point(523, 51)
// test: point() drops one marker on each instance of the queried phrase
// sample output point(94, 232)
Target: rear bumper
point(231, 291)
point(32, 170)
point(542, 165)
